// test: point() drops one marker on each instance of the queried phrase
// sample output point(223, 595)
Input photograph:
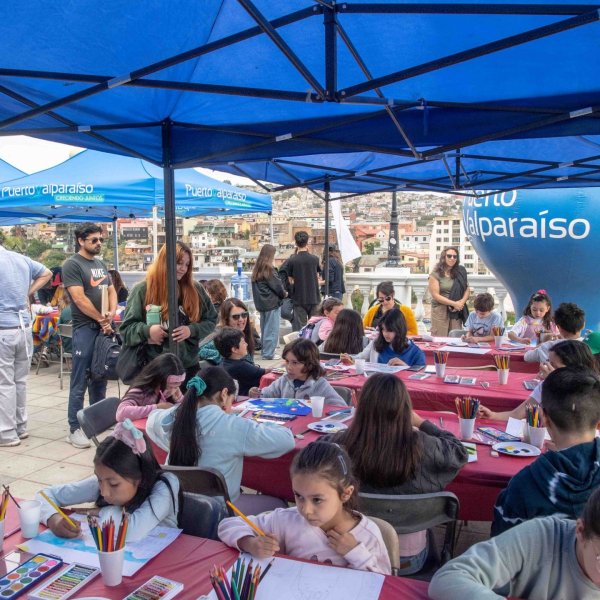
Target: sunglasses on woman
point(239, 316)
point(385, 299)
point(451, 256)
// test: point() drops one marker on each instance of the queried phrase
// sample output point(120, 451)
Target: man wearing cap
point(19, 278)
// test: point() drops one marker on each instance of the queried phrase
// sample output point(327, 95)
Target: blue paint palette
point(26, 576)
point(327, 426)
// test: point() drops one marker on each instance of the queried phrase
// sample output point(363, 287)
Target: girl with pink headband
point(156, 387)
point(126, 477)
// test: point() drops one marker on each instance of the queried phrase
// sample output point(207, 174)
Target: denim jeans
point(84, 338)
point(16, 347)
point(269, 332)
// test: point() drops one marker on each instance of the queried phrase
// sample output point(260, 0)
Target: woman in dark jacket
point(268, 294)
point(336, 273)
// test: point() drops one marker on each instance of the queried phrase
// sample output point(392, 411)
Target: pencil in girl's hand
point(58, 510)
point(242, 516)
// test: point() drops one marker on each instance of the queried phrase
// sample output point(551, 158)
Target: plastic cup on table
point(111, 566)
point(467, 426)
point(498, 341)
point(503, 376)
point(440, 369)
point(29, 518)
point(359, 366)
point(316, 404)
point(537, 436)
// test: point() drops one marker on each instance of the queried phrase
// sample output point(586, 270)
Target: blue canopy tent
point(198, 81)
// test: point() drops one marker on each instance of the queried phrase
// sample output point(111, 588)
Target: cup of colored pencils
point(503, 366)
point(466, 408)
point(440, 358)
point(498, 333)
point(111, 547)
point(535, 426)
point(243, 583)
point(3, 509)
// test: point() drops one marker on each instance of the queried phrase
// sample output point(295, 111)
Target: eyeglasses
point(94, 240)
point(239, 316)
point(452, 256)
point(385, 298)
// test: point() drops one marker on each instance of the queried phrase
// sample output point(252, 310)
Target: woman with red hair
point(147, 313)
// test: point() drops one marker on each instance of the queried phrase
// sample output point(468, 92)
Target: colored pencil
point(466, 407)
point(262, 576)
point(242, 516)
point(498, 331)
point(57, 509)
point(10, 495)
point(3, 505)
point(440, 357)
point(502, 361)
point(243, 582)
point(533, 416)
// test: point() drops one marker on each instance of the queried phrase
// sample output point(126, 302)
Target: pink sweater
point(138, 404)
point(299, 539)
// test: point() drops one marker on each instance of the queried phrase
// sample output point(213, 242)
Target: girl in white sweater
point(323, 526)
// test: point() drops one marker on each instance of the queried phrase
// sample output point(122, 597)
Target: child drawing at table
point(126, 476)
point(391, 347)
point(202, 431)
point(420, 458)
point(304, 376)
point(482, 320)
point(537, 317)
point(156, 387)
point(324, 525)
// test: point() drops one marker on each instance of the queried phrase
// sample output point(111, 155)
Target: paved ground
point(45, 458)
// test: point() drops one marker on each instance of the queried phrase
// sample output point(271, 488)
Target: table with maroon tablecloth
point(477, 484)
point(433, 394)
point(188, 560)
point(461, 358)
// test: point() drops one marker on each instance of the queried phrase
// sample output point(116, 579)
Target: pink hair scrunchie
point(131, 436)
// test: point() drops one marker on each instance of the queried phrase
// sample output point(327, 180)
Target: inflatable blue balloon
point(532, 239)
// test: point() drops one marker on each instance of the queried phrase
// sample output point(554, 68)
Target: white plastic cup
point(467, 426)
point(498, 341)
point(537, 436)
point(29, 517)
point(503, 376)
point(440, 369)
point(111, 566)
point(359, 365)
point(316, 404)
point(1, 534)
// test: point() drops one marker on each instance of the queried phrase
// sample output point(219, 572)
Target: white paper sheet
point(379, 368)
point(83, 549)
point(517, 427)
point(465, 349)
point(294, 580)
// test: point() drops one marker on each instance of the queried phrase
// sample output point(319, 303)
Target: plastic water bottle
point(240, 283)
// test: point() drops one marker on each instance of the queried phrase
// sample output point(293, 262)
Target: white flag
point(348, 247)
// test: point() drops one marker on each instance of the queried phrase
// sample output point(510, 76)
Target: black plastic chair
point(98, 417)
point(207, 482)
point(344, 392)
point(200, 515)
point(418, 512)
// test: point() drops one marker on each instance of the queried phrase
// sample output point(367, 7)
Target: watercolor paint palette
point(27, 575)
point(327, 426)
point(517, 449)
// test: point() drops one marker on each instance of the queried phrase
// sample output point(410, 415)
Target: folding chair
point(200, 515)
point(390, 539)
point(208, 482)
point(418, 512)
point(345, 393)
point(98, 417)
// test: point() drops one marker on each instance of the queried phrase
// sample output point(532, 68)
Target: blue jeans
point(269, 332)
point(84, 338)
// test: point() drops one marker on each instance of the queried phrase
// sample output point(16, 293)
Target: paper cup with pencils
point(503, 366)
point(440, 359)
point(110, 542)
point(466, 408)
point(498, 333)
point(535, 428)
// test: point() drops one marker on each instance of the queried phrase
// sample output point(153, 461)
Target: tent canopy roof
point(251, 81)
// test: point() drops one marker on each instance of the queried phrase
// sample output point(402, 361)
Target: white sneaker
point(77, 438)
point(24, 435)
point(10, 443)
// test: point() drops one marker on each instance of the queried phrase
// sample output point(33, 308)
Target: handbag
point(287, 310)
point(132, 359)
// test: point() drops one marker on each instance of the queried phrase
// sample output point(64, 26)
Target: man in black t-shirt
point(85, 276)
point(303, 271)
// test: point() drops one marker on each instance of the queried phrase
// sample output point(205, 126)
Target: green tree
point(370, 247)
point(53, 258)
point(35, 249)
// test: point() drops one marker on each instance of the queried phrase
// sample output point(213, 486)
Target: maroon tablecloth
point(462, 359)
point(433, 394)
point(477, 485)
point(188, 560)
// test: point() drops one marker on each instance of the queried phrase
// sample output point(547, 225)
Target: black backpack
point(106, 355)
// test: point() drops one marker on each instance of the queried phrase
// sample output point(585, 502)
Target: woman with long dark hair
point(196, 314)
point(449, 289)
point(203, 432)
point(337, 286)
point(347, 335)
point(268, 295)
point(120, 288)
point(394, 451)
